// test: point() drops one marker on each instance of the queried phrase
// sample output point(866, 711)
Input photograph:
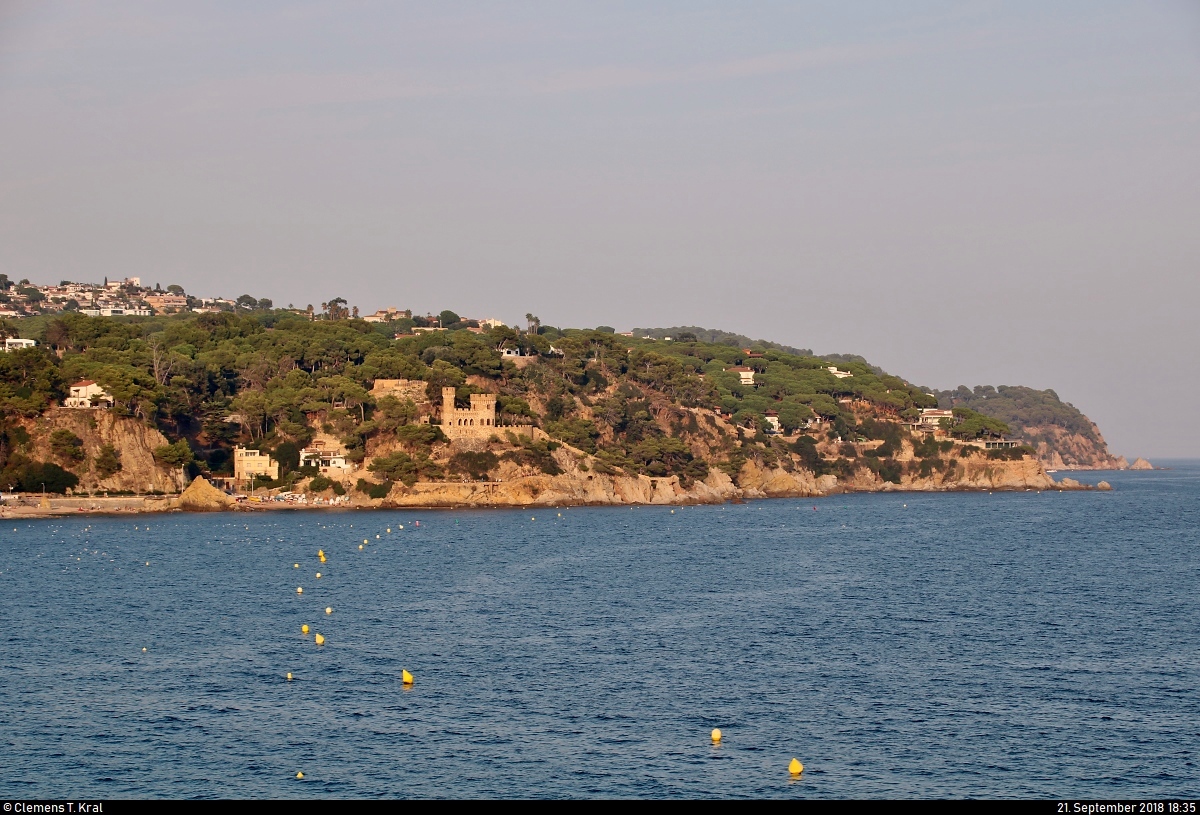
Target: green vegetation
point(320, 483)
point(273, 379)
point(473, 464)
point(972, 425)
point(1022, 409)
point(35, 476)
point(694, 333)
point(67, 446)
point(174, 455)
point(108, 461)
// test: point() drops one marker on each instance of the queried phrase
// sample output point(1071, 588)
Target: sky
point(963, 193)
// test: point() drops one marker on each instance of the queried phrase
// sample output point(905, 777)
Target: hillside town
point(130, 298)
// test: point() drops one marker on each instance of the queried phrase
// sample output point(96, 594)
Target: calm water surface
point(1015, 644)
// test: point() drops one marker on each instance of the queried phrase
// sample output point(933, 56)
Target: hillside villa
point(87, 394)
point(247, 464)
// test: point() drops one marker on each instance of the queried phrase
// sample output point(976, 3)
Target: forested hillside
point(276, 380)
point(1063, 436)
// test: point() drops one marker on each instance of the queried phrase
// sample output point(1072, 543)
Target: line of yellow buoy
point(795, 767)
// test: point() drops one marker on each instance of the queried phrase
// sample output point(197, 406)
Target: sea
point(1041, 645)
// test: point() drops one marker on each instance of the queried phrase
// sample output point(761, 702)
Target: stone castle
point(402, 389)
point(476, 422)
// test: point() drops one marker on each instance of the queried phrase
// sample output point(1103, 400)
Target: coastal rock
point(1141, 464)
point(1104, 485)
point(134, 440)
point(1060, 449)
point(760, 482)
point(201, 496)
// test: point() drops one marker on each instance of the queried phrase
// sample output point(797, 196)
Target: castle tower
point(475, 422)
point(448, 410)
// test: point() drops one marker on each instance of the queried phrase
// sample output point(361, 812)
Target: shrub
point(288, 455)
point(108, 461)
point(319, 484)
point(372, 489)
point(34, 475)
point(174, 455)
point(476, 465)
point(806, 448)
point(1012, 454)
point(536, 454)
point(889, 470)
point(400, 466)
point(66, 445)
point(420, 434)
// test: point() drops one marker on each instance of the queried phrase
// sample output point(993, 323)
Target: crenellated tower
point(476, 422)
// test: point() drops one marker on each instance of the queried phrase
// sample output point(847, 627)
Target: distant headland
point(117, 397)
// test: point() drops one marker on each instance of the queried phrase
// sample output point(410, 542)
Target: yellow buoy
point(318, 575)
point(328, 609)
point(143, 650)
point(364, 540)
point(389, 530)
point(376, 537)
point(400, 527)
point(320, 553)
point(405, 676)
point(299, 590)
point(319, 639)
point(304, 628)
point(289, 676)
point(533, 519)
point(360, 547)
point(300, 775)
point(716, 735)
point(295, 565)
point(795, 768)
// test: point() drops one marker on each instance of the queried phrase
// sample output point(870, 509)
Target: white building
point(327, 462)
point(116, 312)
point(16, 344)
point(839, 374)
point(746, 374)
point(87, 394)
point(934, 416)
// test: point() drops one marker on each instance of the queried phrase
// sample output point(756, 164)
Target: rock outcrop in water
point(1141, 464)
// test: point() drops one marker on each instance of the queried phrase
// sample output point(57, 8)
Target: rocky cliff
point(134, 441)
point(1065, 439)
point(1060, 449)
point(579, 487)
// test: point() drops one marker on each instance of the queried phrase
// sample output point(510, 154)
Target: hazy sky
point(964, 193)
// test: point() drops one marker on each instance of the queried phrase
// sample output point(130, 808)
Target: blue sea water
point(900, 645)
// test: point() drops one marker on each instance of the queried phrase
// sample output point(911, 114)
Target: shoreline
point(69, 507)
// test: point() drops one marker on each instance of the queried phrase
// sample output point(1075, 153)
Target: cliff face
point(134, 441)
point(753, 481)
point(1064, 438)
point(1060, 449)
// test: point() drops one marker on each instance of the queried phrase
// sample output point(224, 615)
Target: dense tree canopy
point(272, 379)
